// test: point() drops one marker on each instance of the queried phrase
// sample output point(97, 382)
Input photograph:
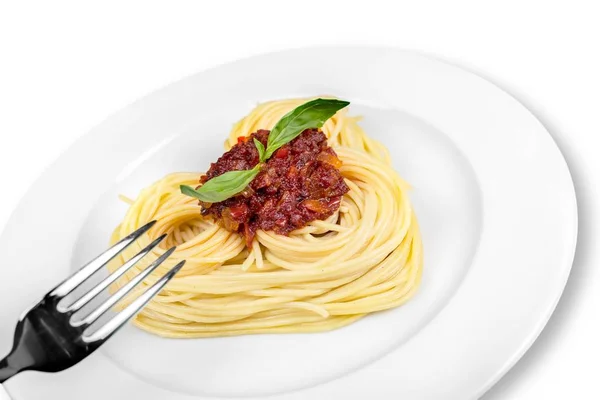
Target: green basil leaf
point(223, 186)
point(309, 115)
point(261, 149)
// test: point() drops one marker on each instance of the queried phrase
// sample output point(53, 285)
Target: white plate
point(491, 190)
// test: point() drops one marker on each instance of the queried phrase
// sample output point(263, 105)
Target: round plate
point(491, 190)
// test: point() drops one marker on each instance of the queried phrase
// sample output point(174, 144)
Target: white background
point(65, 66)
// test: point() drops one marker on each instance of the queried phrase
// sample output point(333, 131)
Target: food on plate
point(302, 225)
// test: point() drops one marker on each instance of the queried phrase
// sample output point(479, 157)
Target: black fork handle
point(7, 370)
point(19, 359)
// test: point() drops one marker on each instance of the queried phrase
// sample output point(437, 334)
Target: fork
point(49, 338)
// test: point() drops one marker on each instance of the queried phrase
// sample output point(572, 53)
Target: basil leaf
point(261, 149)
point(309, 115)
point(223, 186)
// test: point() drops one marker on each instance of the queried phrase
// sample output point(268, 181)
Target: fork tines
point(73, 282)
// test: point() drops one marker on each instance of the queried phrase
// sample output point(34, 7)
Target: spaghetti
point(364, 258)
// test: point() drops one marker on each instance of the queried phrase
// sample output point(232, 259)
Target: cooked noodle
point(366, 257)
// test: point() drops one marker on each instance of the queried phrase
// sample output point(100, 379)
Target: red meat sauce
point(299, 183)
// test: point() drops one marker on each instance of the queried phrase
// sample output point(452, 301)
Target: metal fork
point(48, 338)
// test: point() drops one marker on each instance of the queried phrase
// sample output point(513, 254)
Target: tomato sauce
point(299, 183)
